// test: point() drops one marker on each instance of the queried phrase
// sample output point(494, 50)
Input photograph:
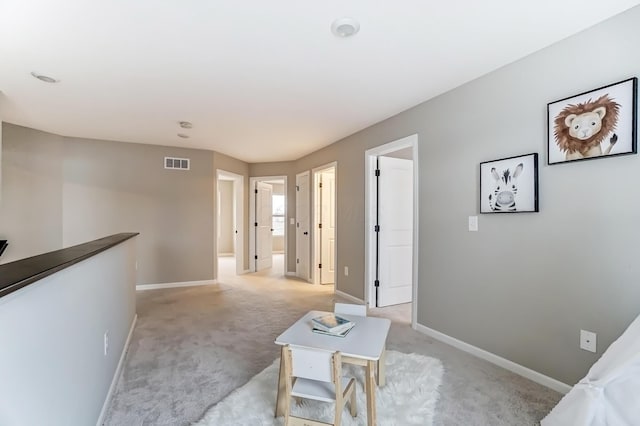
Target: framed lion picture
point(595, 124)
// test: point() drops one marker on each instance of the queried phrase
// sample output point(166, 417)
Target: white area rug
point(409, 397)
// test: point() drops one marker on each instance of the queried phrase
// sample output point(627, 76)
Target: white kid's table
point(364, 345)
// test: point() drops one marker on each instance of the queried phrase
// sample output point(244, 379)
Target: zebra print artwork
point(509, 185)
point(503, 196)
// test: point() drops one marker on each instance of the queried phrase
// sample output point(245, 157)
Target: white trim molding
point(142, 287)
point(116, 375)
point(497, 360)
point(349, 297)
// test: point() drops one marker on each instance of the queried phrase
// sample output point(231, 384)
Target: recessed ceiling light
point(183, 136)
point(345, 27)
point(185, 124)
point(44, 78)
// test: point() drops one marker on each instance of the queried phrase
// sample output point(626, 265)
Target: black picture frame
point(596, 124)
point(509, 185)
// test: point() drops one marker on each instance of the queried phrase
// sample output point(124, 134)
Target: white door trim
point(252, 219)
point(238, 200)
point(370, 205)
point(315, 215)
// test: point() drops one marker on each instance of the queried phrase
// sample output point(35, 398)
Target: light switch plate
point(473, 223)
point(292, 221)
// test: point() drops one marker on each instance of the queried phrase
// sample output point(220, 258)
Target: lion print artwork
point(580, 129)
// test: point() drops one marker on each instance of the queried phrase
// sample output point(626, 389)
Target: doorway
point(229, 219)
point(324, 224)
point(391, 234)
point(267, 221)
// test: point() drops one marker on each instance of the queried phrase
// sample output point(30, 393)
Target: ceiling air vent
point(176, 163)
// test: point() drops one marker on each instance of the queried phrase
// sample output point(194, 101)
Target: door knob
point(305, 233)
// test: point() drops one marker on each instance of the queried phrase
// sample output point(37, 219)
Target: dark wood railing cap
point(21, 273)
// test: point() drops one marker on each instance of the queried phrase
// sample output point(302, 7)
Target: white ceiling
point(260, 80)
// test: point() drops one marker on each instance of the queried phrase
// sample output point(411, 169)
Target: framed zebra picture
point(509, 185)
point(595, 124)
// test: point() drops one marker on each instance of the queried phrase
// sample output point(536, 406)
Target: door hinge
point(297, 260)
point(320, 184)
point(297, 187)
point(255, 224)
point(377, 172)
point(376, 283)
point(320, 225)
point(256, 190)
point(256, 256)
point(376, 228)
point(320, 265)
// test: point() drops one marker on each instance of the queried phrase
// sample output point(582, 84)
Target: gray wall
point(524, 285)
point(60, 191)
point(112, 187)
point(31, 204)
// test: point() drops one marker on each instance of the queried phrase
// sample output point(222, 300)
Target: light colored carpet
point(193, 346)
point(409, 398)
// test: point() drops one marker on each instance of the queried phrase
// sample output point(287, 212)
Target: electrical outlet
point(588, 340)
point(106, 342)
point(346, 271)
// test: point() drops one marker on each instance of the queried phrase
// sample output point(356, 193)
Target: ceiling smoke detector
point(44, 78)
point(345, 27)
point(183, 136)
point(185, 124)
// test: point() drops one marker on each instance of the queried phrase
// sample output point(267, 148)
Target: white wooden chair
point(350, 309)
point(316, 374)
point(361, 310)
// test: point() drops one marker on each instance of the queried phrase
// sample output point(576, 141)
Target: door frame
point(315, 213)
point(238, 206)
point(370, 209)
point(252, 219)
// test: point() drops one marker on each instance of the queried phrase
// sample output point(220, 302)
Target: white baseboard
point(141, 287)
point(349, 297)
point(290, 274)
point(497, 360)
point(116, 375)
point(226, 254)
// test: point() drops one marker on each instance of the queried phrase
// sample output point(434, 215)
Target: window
point(278, 215)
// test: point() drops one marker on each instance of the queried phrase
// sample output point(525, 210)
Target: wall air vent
point(176, 163)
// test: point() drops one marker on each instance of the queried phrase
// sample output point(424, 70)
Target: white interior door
point(395, 217)
point(328, 229)
point(263, 226)
point(302, 226)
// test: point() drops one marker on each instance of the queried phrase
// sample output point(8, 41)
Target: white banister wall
point(53, 370)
